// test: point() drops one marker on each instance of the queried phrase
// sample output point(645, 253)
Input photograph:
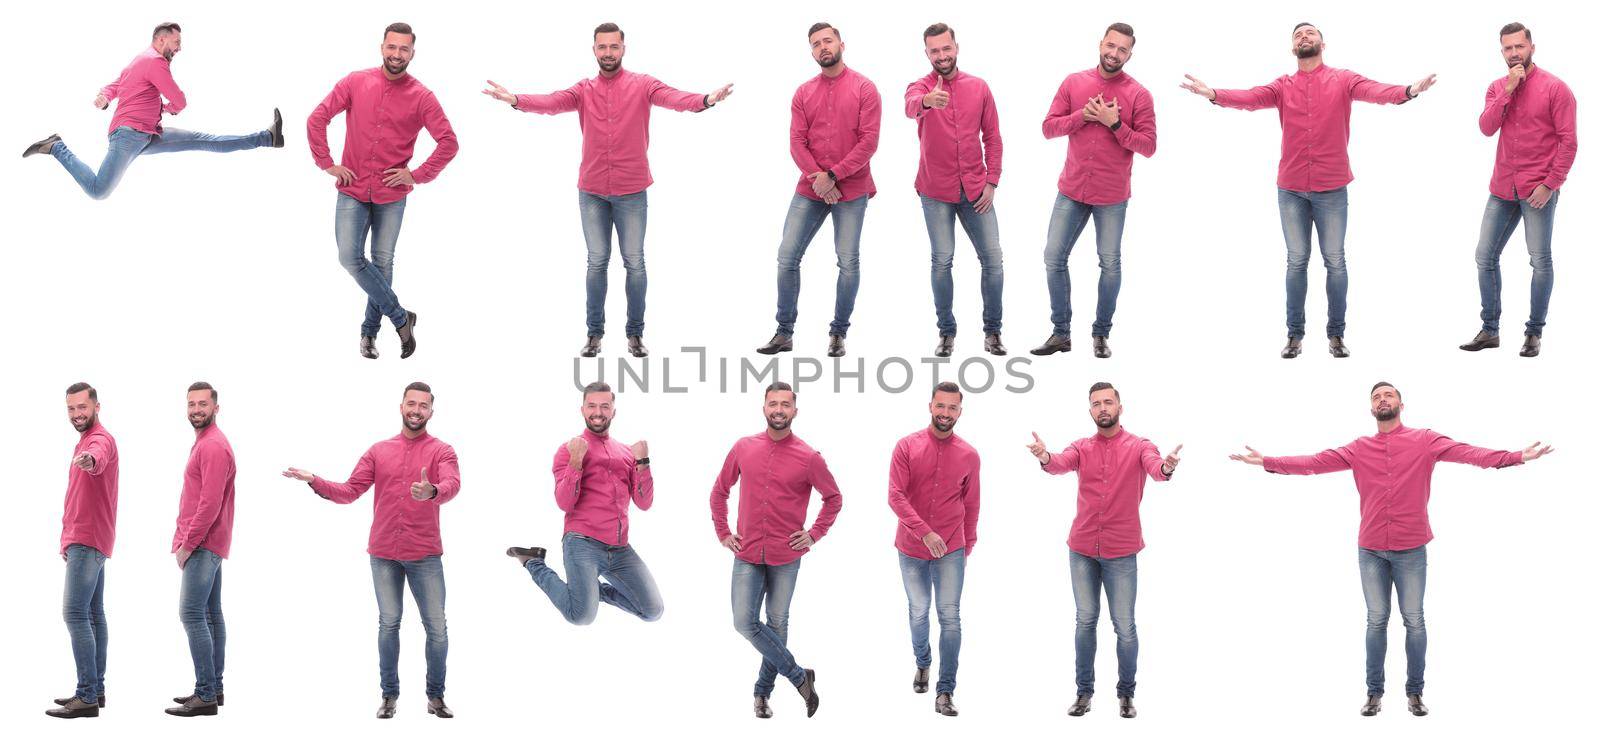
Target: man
point(1314, 110)
point(933, 490)
point(384, 109)
point(200, 543)
point(833, 132)
point(596, 477)
point(1537, 118)
point(614, 114)
point(778, 472)
point(144, 91)
point(959, 131)
point(1107, 117)
point(1106, 535)
point(88, 531)
point(411, 474)
point(1394, 472)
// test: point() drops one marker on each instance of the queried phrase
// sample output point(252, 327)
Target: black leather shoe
point(944, 705)
point(1374, 704)
point(73, 708)
point(1291, 350)
point(1336, 347)
point(101, 702)
point(408, 339)
point(1414, 704)
point(779, 343)
point(763, 710)
point(1102, 347)
point(276, 130)
point(1128, 711)
point(1079, 706)
point(591, 348)
point(1056, 343)
point(1483, 341)
point(369, 347)
point(808, 692)
point(437, 707)
point(524, 555)
point(193, 707)
point(386, 710)
point(43, 146)
point(636, 347)
point(991, 344)
point(835, 346)
point(919, 681)
point(947, 345)
point(186, 698)
point(1530, 346)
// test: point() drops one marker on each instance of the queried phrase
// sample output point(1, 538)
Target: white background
point(222, 267)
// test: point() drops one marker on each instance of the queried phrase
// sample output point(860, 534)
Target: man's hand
point(498, 92)
point(1534, 452)
point(720, 94)
point(833, 196)
point(1421, 86)
point(1198, 88)
point(800, 540)
point(1540, 196)
point(935, 545)
point(1170, 463)
point(101, 101)
point(422, 491)
point(1253, 458)
point(343, 175)
point(397, 176)
point(84, 461)
point(576, 448)
point(641, 449)
point(821, 183)
point(938, 97)
point(734, 542)
point(183, 555)
point(1515, 78)
point(1038, 450)
point(1108, 113)
point(985, 201)
point(299, 475)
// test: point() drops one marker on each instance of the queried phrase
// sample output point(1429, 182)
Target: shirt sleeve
point(569, 480)
point(832, 501)
point(969, 497)
point(1494, 107)
point(360, 480)
point(1154, 464)
point(1065, 461)
point(663, 95)
point(445, 475)
point(214, 469)
point(726, 478)
point(1137, 133)
point(867, 122)
point(642, 487)
point(1328, 461)
point(800, 136)
point(337, 101)
point(1564, 112)
point(1063, 119)
point(561, 101)
point(1254, 99)
point(1449, 451)
point(914, 93)
point(101, 453)
point(1371, 91)
point(161, 77)
point(899, 500)
point(992, 146)
point(444, 140)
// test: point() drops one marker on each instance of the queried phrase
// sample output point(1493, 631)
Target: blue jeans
point(125, 144)
point(200, 609)
point(936, 582)
point(353, 220)
point(426, 577)
point(799, 227)
point(629, 586)
point(1299, 211)
point(627, 215)
point(983, 230)
point(1407, 573)
point(83, 608)
point(1067, 221)
point(1500, 218)
point(1120, 578)
point(752, 582)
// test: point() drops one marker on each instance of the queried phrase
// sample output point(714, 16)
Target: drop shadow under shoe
point(835, 346)
point(369, 347)
point(408, 337)
point(437, 707)
point(1530, 346)
point(276, 129)
point(944, 704)
point(1291, 350)
point(100, 702)
point(1484, 340)
point(1126, 708)
point(779, 343)
point(43, 146)
point(73, 708)
point(947, 345)
point(1373, 705)
point(636, 346)
point(763, 710)
point(591, 347)
point(386, 710)
point(1102, 347)
point(808, 692)
point(524, 555)
point(919, 681)
point(992, 344)
point(1079, 706)
point(1414, 704)
point(1056, 343)
point(1336, 347)
point(186, 698)
point(194, 707)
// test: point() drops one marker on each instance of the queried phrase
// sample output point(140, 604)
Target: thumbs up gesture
point(422, 490)
point(1038, 450)
point(938, 97)
point(1170, 463)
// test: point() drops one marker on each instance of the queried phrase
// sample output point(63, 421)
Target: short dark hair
point(1298, 26)
point(203, 386)
point(599, 387)
point(418, 386)
point(1513, 27)
point(938, 28)
point(81, 387)
point(404, 28)
point(781, 386)
point(820, 25)
point(949, 387)
point(163, 29)
point(1103, 385)
point(1122, 28)
point(610, 28)
point(1381, 384)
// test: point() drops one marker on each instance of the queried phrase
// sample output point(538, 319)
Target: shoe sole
point(785, 348)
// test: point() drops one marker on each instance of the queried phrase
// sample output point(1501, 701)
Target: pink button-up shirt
point(89, 516)
point(614, 114)
point(833, 125)
point(139, 90)
point(777, 479)
point(961, 143)
point(596, 496)
point(1099, 167)
point(933, 488)
point(382, 118)
point(1314, 110)
point(205, 509)
point(1538, 125)
point(403, 528)
point(1111, 473)
point(1394, 472)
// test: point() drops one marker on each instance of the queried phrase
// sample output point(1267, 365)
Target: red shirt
point(1314, 110)
point(596, 496)
point(205, 509)
point(777, 479)
point(403, 529)
point(933, 488)
point(1111, 474)
point(614, 114)
point(1538, 125)
point(139, 90)
point(89, 516)
point(833, 125)
point(1099, 167)
point(382, 118)
point(960, 143)
point(1394, 473)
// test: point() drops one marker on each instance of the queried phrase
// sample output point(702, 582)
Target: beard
point(414, 422)
point(945, 69)
point(86, 424)
point(609, 64)
point(1526, 61)
point(1307, 52)
point(1110, 67)
point(167, 55)
point(944, 424)
point(597, 425)
point(1106, 423)
point(1384, 415)
point(200, 422)
point(778, 423)
point(830, 60)
point(395, 66)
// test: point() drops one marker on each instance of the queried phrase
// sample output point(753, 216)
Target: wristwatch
point(645, 461)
